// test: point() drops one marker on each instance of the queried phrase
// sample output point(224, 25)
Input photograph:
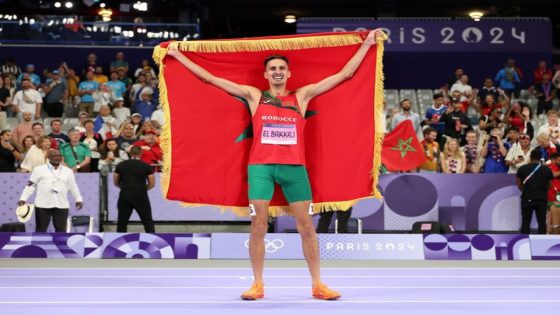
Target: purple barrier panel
point(545, 247)
point(487, 202)
point(13, 183)
point(477, 247)
point(105, 245)
point(371, 246)
point(236, 246)
point(164, 210)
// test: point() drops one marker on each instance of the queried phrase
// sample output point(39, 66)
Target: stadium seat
point(425, 99)
point(11, 122)
point(411, 95)
point(391, 99)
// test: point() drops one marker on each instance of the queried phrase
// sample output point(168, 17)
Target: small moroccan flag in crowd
point(401, 149)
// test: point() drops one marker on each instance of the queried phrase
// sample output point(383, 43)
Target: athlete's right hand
point(172, 51)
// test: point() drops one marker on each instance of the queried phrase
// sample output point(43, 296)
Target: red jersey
point(554, 184)
point(152, 156)
point(278, 131)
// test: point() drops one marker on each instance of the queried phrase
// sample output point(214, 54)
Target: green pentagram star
point(404, 146)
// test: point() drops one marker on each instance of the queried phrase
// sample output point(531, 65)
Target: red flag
point(208, 136)
point(401, 149)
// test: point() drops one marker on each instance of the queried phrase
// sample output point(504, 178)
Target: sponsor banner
point(371, 246)
point(444, 35)
point(236, 246)
point(105, 245)
point(545, 247)
point(477, 247)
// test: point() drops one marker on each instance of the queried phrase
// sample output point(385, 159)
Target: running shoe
point(321, 291)
point(255, 292)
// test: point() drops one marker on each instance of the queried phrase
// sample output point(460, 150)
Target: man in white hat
point(24, 212)
point(53, 181)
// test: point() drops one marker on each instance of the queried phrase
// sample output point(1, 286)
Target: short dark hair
point(437, 95)
point(55, 120)
point(272, 57)
point(35, 124)
point(135, 151)
point(404, 100)
point(536, 154)
point(429, 130)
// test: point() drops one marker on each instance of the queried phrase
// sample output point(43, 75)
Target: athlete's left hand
point(373, 36)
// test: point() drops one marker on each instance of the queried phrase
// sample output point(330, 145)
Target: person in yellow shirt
point(99, 76)
point(431, 150)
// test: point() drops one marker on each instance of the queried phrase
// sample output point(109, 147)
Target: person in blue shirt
point(30, 73)
point(85, 90)
point(495, 152)
point(145, 106)
point(434, 113)
point(118, 87)
point(507, 78)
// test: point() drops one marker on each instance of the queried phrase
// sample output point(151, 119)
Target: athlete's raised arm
point(308, 92)
point(250, 93)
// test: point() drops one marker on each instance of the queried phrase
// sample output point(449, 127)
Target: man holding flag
point(277, 154)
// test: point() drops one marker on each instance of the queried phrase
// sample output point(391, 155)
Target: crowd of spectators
point(92, 114)
point(490, 129)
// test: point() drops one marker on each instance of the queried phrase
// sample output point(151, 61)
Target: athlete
point(278, 154)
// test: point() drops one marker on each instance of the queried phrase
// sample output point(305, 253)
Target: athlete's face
point(277, 72)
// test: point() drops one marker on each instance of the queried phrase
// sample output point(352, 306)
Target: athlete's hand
point(172, 51)
point(374, 36)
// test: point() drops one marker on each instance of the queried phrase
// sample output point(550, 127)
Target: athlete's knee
point(259, 228)
point(306, 229)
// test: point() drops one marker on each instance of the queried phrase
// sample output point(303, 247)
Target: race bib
point(279, 134)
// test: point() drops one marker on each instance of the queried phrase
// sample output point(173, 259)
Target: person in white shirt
point(27, 100)
point(462, 86)
point(159, 116)
point(519, 155)
point(53, 182)
point(120, 112)
point(552, 128)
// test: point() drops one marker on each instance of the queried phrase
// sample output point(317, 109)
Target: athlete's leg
point(259, 226)
point(309, 243)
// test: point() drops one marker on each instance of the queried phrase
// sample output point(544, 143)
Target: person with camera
point(53, 181)
point(9, 153)
point(533, 180)
point(494, 150)
point(519, 155)
point(56, 91)
point(457, 123)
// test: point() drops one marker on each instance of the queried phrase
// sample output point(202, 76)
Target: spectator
point(541, 71)
point(547, 147)
point(102, 97)
point(554, 196)
point(434, 113)
point(76, 155)
point(120, 112)
point(145, 68)
point(86, 90)
point(516, 118)
point(82, 118)
point(137, 88)
point(91, 63)
point(552, 127)
point(37, 154)
point(508, 78)
point(488, 89)
point(495, 151)
point(512, 137)
point(73, 82)
point(9, 153)
point(10, 85)
point(533, 181)
point(151, 151)
point(431, 151)
point(136, 120)
point(453, 161)
point(24, 128)
point(118, 88)
point(27, 100)
point(545, 94)
point(26, 145)
point(158, 116)
point(99, 77)
point(38, 131)
point(519, 155)
point(463, 88)
point(105, 124)
point(57, 134)
point(456, 122)
point(472, 153)
point(146, 107)
point(53, 181)
point(30, 73)
point(111, 156)
point(342, 218)
point(147, 125)
point(457, 74)
point(93, 140)
point(124, 78)
point(463, 105)
point(56, 91)
point(119, 63)
point(489, 103)
point(126, 137)
point(491, 121)
point(5, 104)
point(405, 114)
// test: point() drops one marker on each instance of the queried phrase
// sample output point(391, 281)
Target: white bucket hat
point(25, 212)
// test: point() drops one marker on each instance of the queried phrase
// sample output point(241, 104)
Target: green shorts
point(292, 178)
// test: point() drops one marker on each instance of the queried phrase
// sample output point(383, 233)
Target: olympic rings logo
point(270, 246)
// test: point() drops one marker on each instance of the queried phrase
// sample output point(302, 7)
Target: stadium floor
point(95, 286)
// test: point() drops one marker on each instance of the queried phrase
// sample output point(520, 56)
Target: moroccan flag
point(401, 149)
point(207, 139)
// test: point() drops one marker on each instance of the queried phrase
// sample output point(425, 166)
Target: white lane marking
point(284, 287)
point(139, 302)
